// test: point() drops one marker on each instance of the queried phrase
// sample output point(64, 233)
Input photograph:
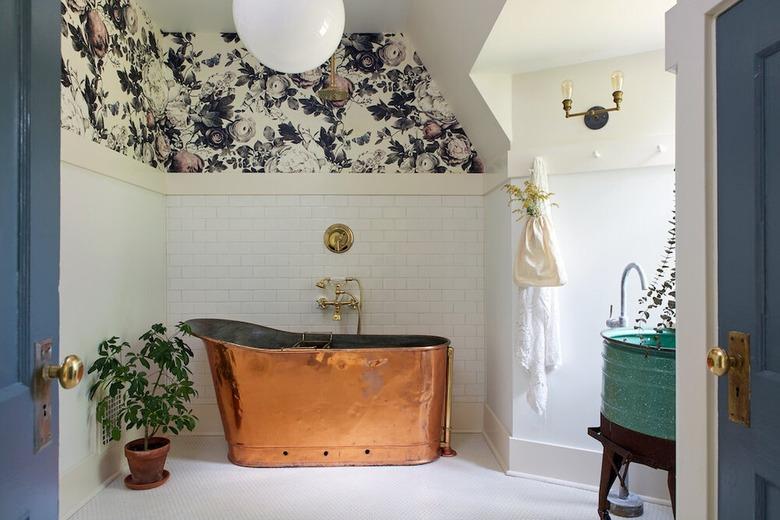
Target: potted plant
point(154, 389)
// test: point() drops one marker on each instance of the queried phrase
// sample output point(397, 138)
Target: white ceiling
point(540, 34)
point(529, 34)
point(217, 15)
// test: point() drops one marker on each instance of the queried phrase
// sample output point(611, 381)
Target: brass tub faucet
point(342, 298)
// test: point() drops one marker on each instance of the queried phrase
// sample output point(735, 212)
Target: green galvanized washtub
point(638, 390)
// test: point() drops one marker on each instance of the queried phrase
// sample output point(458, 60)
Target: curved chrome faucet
point(629, 504)
point(620, 321)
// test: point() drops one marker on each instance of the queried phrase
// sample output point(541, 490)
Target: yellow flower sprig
point(530, 197)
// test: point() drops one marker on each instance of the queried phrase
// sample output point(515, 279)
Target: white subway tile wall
point(257, 258)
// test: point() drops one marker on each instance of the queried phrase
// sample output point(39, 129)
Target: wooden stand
point(622, 447)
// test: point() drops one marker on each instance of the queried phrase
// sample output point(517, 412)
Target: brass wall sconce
point(596, 117)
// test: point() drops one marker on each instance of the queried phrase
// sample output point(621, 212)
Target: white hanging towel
point(538, 270)
point(537, 340)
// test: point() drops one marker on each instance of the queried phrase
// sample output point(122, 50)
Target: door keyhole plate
point(42, 393)
point(739, 379)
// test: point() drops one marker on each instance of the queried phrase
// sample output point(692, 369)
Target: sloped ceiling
point(532, 35)
point(371, 16)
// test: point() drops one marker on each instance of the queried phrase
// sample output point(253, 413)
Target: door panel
point(769, 150)
point(748, 83)
point(29, 234)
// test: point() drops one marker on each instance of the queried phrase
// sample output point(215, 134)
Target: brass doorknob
point(720, 362)
point(69, 374)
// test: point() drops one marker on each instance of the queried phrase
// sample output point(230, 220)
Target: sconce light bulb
point(617, 80)
point(567, 89)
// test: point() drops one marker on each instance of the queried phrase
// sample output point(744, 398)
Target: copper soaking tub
point(290, 399)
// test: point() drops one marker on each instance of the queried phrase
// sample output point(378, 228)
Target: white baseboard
point(588, 487)
point(497, 437)
point(578, 467)
point(466, 418)
point(564, 465)
point(80, 484)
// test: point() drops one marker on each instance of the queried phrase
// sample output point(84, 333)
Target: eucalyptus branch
point(662, 292)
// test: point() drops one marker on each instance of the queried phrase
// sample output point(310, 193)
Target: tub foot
point(446, 451)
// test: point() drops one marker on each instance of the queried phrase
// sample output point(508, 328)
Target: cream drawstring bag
point(538, 262)
point(538, 270)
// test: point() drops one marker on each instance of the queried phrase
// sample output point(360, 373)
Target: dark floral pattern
point(201, 103)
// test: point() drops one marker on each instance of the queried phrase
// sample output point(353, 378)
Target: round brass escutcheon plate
point(339, 238)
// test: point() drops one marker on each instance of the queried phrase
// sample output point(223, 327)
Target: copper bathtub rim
point(305, 350)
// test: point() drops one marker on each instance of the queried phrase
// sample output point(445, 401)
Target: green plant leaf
point(152, 397)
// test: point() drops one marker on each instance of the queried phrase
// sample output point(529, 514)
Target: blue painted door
point(748, 86)
point(29, 237)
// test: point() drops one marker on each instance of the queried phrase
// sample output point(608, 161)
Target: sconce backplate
point(596, 121)
point(339, 238)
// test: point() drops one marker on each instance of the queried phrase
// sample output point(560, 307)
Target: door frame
point(690, 54)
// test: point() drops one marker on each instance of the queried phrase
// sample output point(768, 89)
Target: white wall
point(606, 219)
point(498, 315)
point(647, 109)
point(112, 282)
point(257, 258)
point(496, 90)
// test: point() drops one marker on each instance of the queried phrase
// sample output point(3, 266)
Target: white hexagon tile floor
point(204, 486)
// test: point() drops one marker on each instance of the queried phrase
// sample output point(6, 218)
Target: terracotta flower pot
point(147, 468)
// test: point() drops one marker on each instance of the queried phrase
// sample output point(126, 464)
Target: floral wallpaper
point(201, 103)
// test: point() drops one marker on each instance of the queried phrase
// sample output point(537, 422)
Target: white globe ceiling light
point(290, 36)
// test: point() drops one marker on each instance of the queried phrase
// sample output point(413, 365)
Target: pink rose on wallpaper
point(477, 165)
point(97, 34)
point(432, 130)
point(343, 83)
point(187, 162)
point(308, 79)
point(456, 150)
point(217, 138)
